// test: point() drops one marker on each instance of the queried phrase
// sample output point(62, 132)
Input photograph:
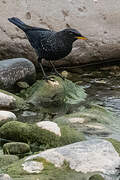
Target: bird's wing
point(36, 36)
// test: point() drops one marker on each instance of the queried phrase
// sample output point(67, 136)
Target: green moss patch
point(115, 143)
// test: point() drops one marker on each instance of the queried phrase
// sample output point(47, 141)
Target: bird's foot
point(58, 74)
point(63, 78)
point(46, 78)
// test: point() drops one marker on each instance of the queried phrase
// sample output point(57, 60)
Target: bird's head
point(72, 34)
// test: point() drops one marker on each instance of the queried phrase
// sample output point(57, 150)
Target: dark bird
point(49, 44)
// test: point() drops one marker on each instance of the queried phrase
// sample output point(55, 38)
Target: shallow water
point(103, 88)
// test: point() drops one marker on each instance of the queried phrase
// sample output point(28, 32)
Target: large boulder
point(87, 156)
point(98, 20)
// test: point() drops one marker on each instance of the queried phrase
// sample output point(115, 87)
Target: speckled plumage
point(48, 44)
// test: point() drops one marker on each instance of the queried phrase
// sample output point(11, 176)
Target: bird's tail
point(18, 23)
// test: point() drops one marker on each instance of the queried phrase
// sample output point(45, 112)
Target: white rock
point(86, 156)
point(4, 115)
point(50, 126)
point(33, 166)
point(6, 100)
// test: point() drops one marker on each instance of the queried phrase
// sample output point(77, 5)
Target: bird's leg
point(53, 66)
point(44, 74)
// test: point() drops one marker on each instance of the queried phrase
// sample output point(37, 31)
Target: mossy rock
point(16, 148)
point(96, 177)
point(28, 133)
point(115, 143)
point(7, 159)
point(54, 95)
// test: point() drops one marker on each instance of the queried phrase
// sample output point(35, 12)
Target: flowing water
point(103, 87)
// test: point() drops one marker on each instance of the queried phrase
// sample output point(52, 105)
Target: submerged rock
point(11, 101)
point(6, 116)
point(16, 148)
point(14, 70)
point(87, 156)
point(91, 119)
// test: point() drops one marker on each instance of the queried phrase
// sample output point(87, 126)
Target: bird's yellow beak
point(81, 37)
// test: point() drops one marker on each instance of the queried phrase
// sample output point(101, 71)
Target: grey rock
point(86, 156)
point(5, 177)
point(98, 20)
point(14, 70)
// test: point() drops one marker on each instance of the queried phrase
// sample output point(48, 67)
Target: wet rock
point(14, 70)
point(55, 95)
point(11, 101)
point(100, 154)
point(7, 159)
point(29, 113)
point(5, 177)
point(33, 166)
point(6, 116)
point(23, 132)
point(16, 148)
point(50, 126)
point(96, 177)
point(91, 119)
